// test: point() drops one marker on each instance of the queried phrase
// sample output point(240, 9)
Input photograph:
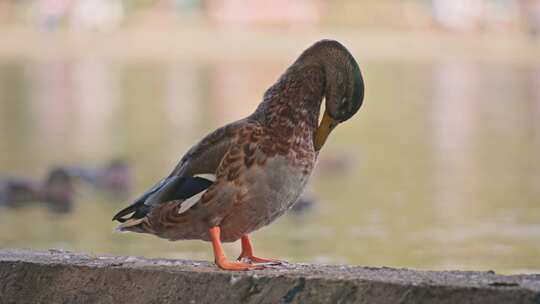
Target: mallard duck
point(56, 191)
point(244, 175)
point(114, 178)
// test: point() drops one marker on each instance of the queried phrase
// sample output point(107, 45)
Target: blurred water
point(439, 170)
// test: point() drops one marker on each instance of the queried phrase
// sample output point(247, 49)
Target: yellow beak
point(325, 127)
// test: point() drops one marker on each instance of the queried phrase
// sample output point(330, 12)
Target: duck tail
point(132, 217)
point(135, 217)
point(120, 216)
point(137, 209)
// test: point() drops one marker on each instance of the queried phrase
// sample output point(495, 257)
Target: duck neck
point(293, 103)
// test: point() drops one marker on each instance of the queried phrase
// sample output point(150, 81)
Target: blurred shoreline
point(208, 44)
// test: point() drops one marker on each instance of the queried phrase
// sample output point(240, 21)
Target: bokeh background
point(439, 170)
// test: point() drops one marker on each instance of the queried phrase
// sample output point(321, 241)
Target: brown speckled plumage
point(261, 163)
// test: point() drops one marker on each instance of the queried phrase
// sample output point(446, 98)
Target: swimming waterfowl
point(244, 175)
point(114, 179)
point(57, 191)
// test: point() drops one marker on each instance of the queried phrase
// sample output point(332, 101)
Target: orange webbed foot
point(253, 259)
point(235, 266)
point(219, 254)
point(247, 254)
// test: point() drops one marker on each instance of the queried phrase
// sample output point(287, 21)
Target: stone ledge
point(64, 277)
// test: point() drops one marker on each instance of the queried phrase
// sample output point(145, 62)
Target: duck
point(115, 178)
point(57, 191)
point(244, 175)
point(16, 192)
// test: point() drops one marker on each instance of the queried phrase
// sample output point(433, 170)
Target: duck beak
point(325, 127)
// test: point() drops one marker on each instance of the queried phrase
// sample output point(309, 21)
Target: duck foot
point(259, 261)
point(247, 255)
point(219, 255)
point(236, 266)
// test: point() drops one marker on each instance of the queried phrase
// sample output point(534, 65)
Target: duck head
point(344, 86)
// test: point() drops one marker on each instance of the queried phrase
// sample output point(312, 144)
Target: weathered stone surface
point(65, 277)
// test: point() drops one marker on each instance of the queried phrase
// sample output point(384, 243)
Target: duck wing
point(205, 157)
point(194, 174)
point(168, 189)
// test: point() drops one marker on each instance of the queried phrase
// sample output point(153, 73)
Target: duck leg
point(247, 253)
point(219, 254)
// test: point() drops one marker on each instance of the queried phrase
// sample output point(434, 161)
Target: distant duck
point(16, 191)
point(244, 175)
point(115, 178)
point(57, 191)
